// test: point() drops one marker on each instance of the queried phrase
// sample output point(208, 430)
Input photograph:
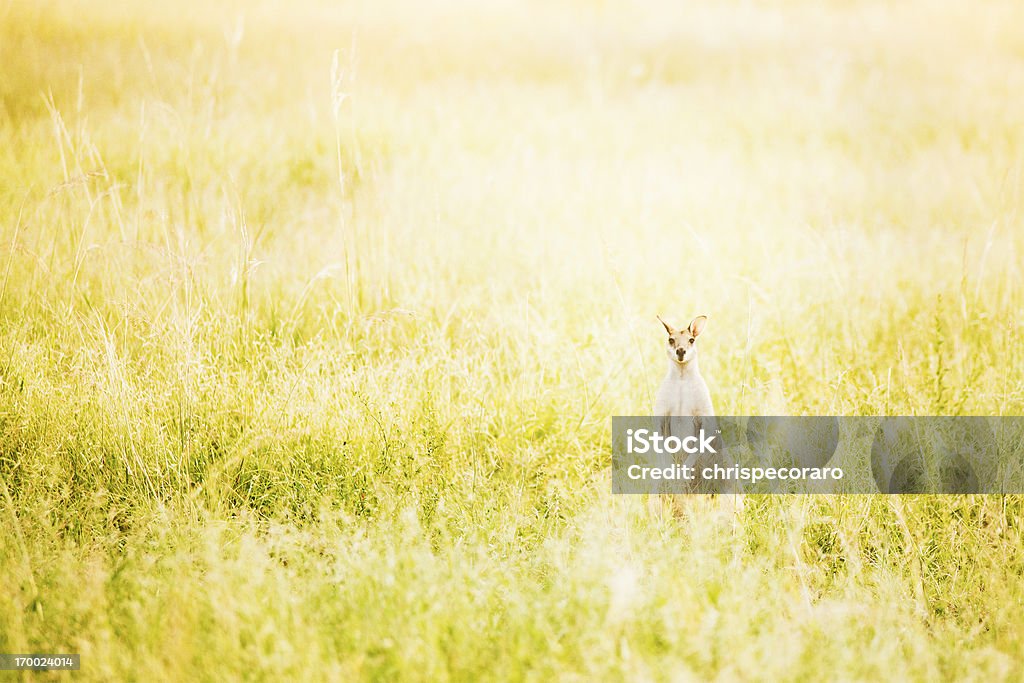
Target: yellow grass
point(313, 317)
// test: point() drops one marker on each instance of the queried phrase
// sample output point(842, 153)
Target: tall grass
point(306, 372)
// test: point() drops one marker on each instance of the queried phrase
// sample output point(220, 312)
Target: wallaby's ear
point(667, 327)
point(697, 326)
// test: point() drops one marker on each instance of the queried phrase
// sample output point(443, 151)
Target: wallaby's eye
point(691, 340)
point(671, 340)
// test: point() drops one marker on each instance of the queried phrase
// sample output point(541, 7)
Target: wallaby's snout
point(681, 354)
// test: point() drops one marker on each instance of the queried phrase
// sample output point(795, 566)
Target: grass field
point(313, 317)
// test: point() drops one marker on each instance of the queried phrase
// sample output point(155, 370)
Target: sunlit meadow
point(313, 316)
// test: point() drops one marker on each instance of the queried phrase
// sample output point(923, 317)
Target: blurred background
point(813, 177)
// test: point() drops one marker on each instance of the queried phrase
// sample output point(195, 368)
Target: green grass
point(291, 390)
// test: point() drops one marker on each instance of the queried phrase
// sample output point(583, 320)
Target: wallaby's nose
point(680, 353)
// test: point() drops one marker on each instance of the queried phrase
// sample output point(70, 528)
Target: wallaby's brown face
point(682, 343)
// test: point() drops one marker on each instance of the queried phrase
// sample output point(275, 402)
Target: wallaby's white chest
point(683, 393)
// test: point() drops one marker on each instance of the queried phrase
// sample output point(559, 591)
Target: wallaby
point(683, 403)
point(683, 392)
